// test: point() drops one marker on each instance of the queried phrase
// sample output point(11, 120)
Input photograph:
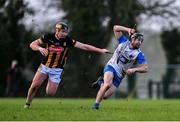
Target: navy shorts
point(116, 79)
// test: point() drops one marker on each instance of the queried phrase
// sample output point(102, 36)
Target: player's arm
point(118, 29)
point(142, 65)
point(142, 68)
point(35, 45)
point(90, 48)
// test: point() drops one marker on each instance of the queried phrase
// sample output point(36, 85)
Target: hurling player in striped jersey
point(55, 52)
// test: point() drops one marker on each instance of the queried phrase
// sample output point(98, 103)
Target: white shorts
point(54, 74)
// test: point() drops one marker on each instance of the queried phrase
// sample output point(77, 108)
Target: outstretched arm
point(90, 48)
point(118, 29)
point(142, 68)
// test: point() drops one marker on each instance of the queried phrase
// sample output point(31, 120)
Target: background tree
point(13, 35)
point(171, 45)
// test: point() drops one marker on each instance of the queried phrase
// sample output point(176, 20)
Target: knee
point(50, 93)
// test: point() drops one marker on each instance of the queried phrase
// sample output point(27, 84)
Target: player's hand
point(43, 51)
point(103, 51)
point(131, 31)
point(131, 71)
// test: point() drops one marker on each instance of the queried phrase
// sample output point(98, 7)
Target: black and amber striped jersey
point(58, 50)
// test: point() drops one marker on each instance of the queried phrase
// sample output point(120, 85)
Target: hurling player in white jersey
point(127, 53)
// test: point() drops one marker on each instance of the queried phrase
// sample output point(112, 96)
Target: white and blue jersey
point(124, 57)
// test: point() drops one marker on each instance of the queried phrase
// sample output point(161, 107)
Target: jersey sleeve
point(71, 42)
point(122, 39)
point(141, 58)
point(44, 38)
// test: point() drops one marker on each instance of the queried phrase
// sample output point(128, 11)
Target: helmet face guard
point(138, 36)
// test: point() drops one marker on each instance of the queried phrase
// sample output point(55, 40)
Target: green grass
point(80, 109)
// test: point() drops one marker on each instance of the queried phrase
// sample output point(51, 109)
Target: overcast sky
point(157, 23)
point(43, 17)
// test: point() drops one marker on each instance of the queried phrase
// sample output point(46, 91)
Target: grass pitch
point(80, 110)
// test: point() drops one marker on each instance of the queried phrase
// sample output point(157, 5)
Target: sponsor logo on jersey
point(56, 49)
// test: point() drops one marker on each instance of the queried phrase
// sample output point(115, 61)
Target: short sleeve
point(71, 42)
point(122, 39)
point(44, 38)
point(141, 58)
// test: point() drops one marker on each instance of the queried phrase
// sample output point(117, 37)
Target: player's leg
point(108, 77)
point(111, 82)
point(36, 83)
point(116, 82)
point(109, 92)
point(51, 88)
point(53, 82)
